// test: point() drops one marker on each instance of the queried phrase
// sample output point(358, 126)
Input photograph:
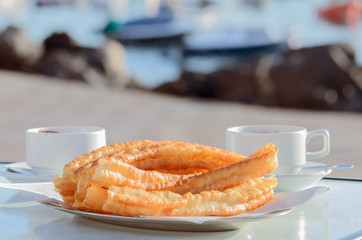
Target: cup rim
point(67, 130)
point(282, 129)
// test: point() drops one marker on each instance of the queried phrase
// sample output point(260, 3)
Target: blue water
point(152, 65)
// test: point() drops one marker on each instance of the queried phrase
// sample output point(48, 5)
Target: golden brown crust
point(242, 198)
point(254, 166)
point(167, 178)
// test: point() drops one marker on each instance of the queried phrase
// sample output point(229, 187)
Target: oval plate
point(168, 223)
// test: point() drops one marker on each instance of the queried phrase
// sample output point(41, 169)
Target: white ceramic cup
point(48, 149)
point(291, 142)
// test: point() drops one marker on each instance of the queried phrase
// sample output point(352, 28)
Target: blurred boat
point(342, 14)
point(162, 26)
point(235, 41)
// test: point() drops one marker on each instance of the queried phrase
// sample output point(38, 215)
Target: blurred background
point(303, 54)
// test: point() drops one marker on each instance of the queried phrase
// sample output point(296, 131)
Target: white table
point(332, 215)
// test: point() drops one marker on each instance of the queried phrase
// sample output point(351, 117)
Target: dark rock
point(17, 52)
point(59, 40)
point(101, 67)
point(323, 78)
point(63, 64)
point(60, 56)
point(318, 78)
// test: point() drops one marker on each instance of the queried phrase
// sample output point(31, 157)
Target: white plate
point(20, 171)
point(302, 180)
point(168, 223)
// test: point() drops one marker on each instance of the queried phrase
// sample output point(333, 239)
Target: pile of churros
point(164, 178)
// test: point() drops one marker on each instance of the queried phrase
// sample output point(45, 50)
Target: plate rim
point(168, 220)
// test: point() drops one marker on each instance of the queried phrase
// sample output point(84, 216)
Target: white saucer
point(302, 180)
point(20, 171)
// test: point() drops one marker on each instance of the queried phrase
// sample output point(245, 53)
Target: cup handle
point(326, 143)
